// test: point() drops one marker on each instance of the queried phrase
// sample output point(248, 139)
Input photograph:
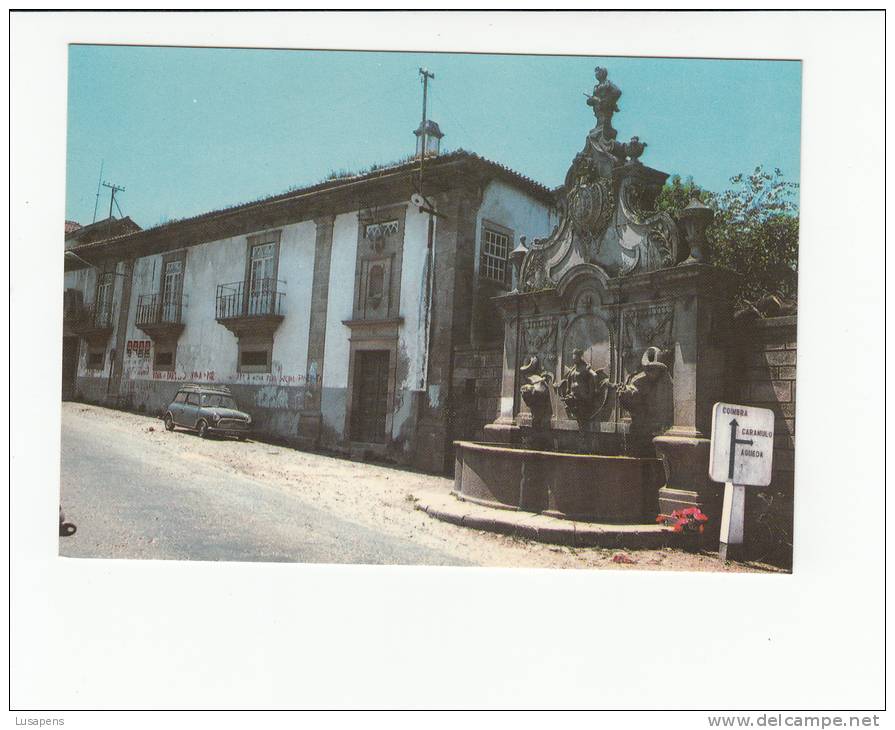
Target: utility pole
point(115, 189)
point(426, 75)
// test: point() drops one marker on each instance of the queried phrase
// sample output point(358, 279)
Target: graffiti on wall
point(195, 376)
point(211, 376)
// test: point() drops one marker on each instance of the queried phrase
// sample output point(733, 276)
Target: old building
point(343, 316)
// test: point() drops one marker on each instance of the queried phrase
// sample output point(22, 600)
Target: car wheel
point(202, 428)
point(169, 422)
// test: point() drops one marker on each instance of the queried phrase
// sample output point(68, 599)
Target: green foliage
point(677, 193)
point(755, 231)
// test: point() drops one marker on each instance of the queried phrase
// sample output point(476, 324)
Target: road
point(137, 491)
point(131, 499)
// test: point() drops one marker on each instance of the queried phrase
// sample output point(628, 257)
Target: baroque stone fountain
point(614, 350)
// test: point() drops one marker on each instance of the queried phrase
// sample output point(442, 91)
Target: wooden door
point(370, 396)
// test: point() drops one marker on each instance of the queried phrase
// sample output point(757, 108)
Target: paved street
point(137, 491)
point(129, 500)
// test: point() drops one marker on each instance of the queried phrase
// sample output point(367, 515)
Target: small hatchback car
point(207, 410)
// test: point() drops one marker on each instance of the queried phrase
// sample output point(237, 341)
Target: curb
point(541, 528)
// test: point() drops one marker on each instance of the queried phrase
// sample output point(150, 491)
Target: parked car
point(207, 410)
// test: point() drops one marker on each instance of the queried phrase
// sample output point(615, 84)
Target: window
point(181, 397)
point(172, 285)
point(495, 251)
point(95, 359)
point(192, 399)
point(164, 359)
point(103, 300)
point(218, 400)
point(261, 289)
point(254, 358)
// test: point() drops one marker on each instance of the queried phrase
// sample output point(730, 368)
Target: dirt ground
point(381, 498)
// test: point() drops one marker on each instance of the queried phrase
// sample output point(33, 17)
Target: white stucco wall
point(411, 340)
point(513, 209)
point(339, 308)
point(86, 281)
point(207, 351)
point(290, 347)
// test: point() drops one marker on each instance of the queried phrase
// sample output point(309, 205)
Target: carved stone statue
point(536, 392)
point(583, 390)
point(648, 397)
point(604, 102)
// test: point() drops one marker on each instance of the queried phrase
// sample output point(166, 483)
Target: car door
point(190, 411)
point(176, 406)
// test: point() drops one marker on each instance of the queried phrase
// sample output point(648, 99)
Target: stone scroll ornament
point(583, 390)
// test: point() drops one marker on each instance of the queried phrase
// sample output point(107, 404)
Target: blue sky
point(188, 130)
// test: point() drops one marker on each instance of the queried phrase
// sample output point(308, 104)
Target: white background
point(120, 634)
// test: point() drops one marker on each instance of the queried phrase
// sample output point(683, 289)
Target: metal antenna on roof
point(115, 189)
point(96, 204)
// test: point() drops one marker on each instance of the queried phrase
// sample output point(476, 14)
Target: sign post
point(741, 455)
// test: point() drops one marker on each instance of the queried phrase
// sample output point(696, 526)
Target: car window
point(181, 398)
point(218, 400)
point(193, 399)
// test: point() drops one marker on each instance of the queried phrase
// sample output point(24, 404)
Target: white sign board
point(742, 445)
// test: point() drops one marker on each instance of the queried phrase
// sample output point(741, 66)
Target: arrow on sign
point(733, 445)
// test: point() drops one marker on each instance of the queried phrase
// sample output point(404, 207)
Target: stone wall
point(763, 374)
point(476, 389)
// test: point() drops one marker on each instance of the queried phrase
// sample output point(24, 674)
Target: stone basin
point(585, 487)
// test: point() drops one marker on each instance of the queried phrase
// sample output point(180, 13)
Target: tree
point(755, 231)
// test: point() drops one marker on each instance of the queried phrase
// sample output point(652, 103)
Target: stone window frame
point(92, 352)
point(106, 275)
point(160, 348)
point(260, 239)
point(252, 345)
point(485, 257)
point(168, 258)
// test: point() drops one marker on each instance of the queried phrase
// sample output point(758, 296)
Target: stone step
point(541, 528)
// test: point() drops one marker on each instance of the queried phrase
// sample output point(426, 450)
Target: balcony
point(92, 323)
point(160, 316)
point(251, 307)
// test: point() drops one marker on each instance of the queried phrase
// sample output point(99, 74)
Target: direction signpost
point(741, 456)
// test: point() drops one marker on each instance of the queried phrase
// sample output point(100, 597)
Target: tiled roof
point(531, 186)
point(100, 231)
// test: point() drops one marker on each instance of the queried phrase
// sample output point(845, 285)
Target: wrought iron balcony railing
point(258, 298)
point(160, 309)
point(87, 317)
